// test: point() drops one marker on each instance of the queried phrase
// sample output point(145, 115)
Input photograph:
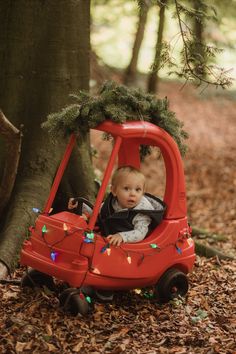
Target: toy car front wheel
point(172, 284)
point(74, 301)
point(33, 279)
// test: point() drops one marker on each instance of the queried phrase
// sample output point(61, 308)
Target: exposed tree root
point(3, 271)
point(196, 231)
point(209, 251)
point(13, 137)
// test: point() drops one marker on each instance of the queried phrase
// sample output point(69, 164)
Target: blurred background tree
point(159, 60)
point(131, 70)
point(185, 48)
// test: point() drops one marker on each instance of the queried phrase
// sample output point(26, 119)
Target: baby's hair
point(125, 170)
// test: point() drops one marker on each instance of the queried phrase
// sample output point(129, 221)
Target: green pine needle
point(119, 104)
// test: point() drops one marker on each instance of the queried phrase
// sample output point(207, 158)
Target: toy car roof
point(128, 137)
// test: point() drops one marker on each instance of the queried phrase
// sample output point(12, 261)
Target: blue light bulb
point(53, 256)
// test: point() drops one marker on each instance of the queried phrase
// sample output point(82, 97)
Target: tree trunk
point(131, 71)
point(44, 56)
point(198, 47)
point(153, 76)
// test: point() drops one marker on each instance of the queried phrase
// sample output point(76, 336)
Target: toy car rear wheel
point(172, 284)
point(73, 300)
point(33, 279)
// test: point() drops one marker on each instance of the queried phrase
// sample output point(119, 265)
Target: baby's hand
point(115, 239)
point(85, 216)
point(72, 204)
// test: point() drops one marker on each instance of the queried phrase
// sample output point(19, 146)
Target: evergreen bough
point(117, 103)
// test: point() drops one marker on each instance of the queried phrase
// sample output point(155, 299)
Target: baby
point(124, 216)
point(127, 214)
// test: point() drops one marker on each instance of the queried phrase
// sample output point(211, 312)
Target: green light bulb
point(44, 229)
point(153, 245)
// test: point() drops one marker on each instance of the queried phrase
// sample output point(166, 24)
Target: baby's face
point(129, 190)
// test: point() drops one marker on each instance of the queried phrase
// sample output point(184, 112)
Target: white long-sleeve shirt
point(141, 222)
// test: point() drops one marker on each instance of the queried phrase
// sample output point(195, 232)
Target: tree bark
point(44, 56)
point(153, 77)
point(198, 47)
point(131, 71)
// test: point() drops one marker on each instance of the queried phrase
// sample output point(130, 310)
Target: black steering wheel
point(78, 210)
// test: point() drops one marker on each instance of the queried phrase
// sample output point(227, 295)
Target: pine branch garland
point(119, 104)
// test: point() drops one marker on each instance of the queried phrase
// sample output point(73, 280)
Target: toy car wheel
point(33, 279)
point(87, 290)
point(74, 301)
point(172, 284)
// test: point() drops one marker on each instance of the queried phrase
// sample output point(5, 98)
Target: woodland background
point(205, 321)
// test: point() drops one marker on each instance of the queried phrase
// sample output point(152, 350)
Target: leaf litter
point(204, 322)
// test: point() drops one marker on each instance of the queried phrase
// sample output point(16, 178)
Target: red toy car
point(65, 246)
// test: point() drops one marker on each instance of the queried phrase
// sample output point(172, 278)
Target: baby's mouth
point(131, 201)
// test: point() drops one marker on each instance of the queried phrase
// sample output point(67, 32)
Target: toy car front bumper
point(73, 273)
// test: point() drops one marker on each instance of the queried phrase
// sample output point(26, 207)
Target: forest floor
point(204, 322)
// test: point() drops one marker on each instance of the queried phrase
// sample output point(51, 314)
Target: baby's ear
point(113, 191)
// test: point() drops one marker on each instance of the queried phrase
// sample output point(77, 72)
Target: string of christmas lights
point(67, 232)
point(184, 236)
point(89, 237)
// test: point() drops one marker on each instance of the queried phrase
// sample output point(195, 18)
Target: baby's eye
point(126, 188)
point(138, 189)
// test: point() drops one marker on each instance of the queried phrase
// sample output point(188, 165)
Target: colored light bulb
point(87, 240)
point(44, 229)
point(190, 241)
point(88, 299)
point(65, 228)
point(154, 245)
point(103, 249)
point(53, 256)
point(90, 235)
point(178, 249)
point(106, 248)
point(81, 295)
point(36, 210)
point(96, 271)
point(129, 259)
